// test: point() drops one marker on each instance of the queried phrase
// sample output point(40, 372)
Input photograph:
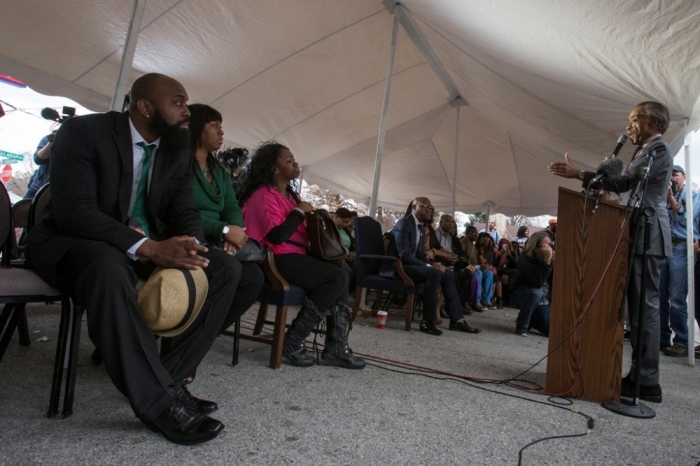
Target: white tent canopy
point(541, 78)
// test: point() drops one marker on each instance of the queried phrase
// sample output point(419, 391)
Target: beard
point(172, 137)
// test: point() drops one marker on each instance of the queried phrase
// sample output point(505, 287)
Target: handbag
point(324, 238)
point(252, 251)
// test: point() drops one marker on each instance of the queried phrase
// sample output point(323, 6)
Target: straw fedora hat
point(171, 299)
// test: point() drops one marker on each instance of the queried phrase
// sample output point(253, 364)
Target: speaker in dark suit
point(121, 204)
point(647, 122)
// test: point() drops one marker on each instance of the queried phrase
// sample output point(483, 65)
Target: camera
point(232, 158)
point(49, 113)
point(674, 186)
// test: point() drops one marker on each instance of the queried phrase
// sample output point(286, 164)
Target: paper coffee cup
point(381, 319)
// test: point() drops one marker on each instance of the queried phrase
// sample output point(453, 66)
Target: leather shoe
point(429, 328)
point(651, 393)
point(184, 426)
point(477, 307)
point(466, 310)
point(463, 326)
point(193, 403)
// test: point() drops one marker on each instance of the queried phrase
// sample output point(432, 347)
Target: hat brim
point(192, 286)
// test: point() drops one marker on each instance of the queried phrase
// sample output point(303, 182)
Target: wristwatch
point(225, 231)
point(581, 174)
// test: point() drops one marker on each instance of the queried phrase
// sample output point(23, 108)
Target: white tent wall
point(541, 79)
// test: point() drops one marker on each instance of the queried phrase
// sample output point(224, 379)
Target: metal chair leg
point(61, 347)
point(236, 341)
point(22, 325)
point(73, 361)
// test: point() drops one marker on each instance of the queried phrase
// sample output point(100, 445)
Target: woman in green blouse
point(217, 204)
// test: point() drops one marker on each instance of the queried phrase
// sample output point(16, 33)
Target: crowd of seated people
point(98, 251)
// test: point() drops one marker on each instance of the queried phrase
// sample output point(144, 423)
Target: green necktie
point(139, 211)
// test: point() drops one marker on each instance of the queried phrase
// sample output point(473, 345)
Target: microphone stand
point(632, 407)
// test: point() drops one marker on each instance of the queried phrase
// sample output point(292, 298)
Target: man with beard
point(648, 121)
point(121, 205)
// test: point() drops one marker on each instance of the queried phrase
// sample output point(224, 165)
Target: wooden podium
point(595, 349)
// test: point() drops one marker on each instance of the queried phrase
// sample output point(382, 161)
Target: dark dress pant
point(434, 279)
point(648, 354)
point(103, 279)
point(325, 284)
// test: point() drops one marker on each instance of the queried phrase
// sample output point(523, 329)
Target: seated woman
point(529, 289)
point(506, 263)
point(274, 215)
point(486, 258)
point(522, 236)
point(217, 204)
point(343, 219)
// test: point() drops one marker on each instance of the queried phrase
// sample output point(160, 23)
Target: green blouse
point(216, 202)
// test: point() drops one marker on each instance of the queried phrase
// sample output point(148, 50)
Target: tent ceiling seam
point(297, 52)
point(167, 10)
point(344, 99)
point(384, 153)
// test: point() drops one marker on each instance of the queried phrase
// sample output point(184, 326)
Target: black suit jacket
point(91, 182)
point(402, 243)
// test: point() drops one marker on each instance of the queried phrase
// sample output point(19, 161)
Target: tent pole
point(132, 37)
point(301, 180)
point(385, 111)
point(690, 255)
point(454, 169)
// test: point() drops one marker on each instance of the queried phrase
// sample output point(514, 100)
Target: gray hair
point(658, 111)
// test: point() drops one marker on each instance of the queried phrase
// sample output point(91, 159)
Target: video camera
point(51, 114)
point(232, 158)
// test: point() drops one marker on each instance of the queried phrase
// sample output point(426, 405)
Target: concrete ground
point(328, 415)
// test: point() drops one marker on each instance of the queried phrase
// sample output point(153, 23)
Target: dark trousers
point(532, 314)
point(325, 284)
point(433, 280)
point(648, 354)
point(247, 291)
point(103, 279)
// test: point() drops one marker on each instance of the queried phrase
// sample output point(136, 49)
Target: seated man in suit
point(408, 243)
point(121, 205)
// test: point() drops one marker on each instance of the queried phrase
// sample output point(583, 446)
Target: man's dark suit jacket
point(403, 243)
point(657, 191)
point(91, 183)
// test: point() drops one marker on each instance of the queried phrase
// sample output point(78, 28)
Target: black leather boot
point(337, 351)
point(293, 348)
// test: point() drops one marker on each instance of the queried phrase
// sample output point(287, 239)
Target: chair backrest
point(5, 225)
point(368, 240)
point(42, 198)
point(20, 213)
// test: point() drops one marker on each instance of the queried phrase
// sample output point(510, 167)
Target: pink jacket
point(265, 209)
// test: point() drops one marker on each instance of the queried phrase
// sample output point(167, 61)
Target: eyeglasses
point(427, 206)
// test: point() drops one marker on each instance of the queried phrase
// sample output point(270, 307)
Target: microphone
point(608, 169)
point(620, 142)
point(50, 114)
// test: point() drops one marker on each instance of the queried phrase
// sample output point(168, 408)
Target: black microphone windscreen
point(50, 114)
point(610, 168)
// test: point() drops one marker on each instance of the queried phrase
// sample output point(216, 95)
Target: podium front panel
point(588, 363)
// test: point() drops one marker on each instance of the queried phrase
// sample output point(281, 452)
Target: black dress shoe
point(651, 393)
point(429, 328)
point(466, 310)
point(462, 326)
point(184, 426)
point(193, 403)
